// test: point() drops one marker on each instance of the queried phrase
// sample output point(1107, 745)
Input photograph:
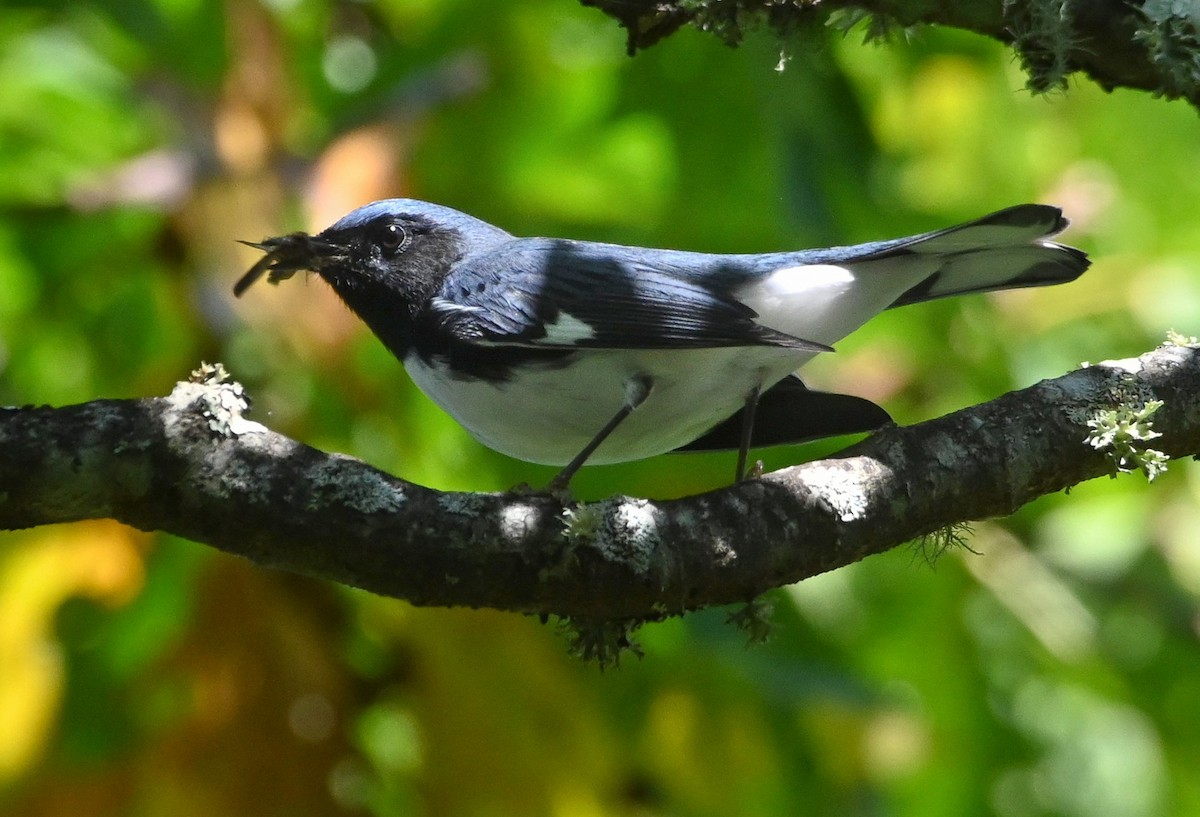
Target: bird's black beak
point(285, 256)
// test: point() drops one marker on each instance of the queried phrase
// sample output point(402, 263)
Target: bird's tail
point(1008, 249)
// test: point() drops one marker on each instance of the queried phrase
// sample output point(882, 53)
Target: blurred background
point(1055, 672)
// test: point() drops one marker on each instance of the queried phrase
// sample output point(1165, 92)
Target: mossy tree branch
point(1151, 45)
point(191, 464)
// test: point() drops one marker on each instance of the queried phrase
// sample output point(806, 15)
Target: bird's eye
point(395, 238)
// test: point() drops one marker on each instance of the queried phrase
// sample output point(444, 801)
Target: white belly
point(554, 411)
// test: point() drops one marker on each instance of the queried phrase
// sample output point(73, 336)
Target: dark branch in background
point(192, 465)
point(1151, 45)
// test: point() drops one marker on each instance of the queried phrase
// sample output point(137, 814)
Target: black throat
point(388, 296)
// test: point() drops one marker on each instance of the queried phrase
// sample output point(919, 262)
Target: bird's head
point(397, 247)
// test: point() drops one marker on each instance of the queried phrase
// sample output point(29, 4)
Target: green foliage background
point(1055, 673)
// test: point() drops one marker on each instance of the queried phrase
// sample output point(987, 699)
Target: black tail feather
point(788, 413)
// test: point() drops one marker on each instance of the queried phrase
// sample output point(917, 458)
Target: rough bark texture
point(1151, 45)
point(191, 464)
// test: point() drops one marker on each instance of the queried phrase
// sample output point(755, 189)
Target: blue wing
point(557, 294)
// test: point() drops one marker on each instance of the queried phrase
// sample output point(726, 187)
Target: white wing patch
point(803, 300)
point(568, 329)
point(791, 280)
point(826, 302)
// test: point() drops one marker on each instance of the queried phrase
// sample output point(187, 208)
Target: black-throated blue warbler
point(564, 352)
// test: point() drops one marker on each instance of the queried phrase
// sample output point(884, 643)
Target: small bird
point(563, 352)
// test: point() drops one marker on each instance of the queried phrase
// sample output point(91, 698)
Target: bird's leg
point(747, 432)
point(637, 389)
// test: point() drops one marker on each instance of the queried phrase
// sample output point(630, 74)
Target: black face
point(385, 268)
point(390, 265)
point(402, 255)
point(384, 249)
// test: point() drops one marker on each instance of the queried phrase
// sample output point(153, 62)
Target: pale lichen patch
point(630, 534)
point(362, 489)
point(580, 522)
point(1123, 427)
point(221, 401)
point(841, 488)
point(463, 504)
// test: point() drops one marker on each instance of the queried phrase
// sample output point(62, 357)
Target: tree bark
point(193, 465)
point(1151, 45)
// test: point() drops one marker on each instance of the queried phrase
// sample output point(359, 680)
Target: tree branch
point(1151, 45)
point(191, 464)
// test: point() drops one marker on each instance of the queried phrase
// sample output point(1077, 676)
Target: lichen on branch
point(193, 464)
point(1152, 46)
